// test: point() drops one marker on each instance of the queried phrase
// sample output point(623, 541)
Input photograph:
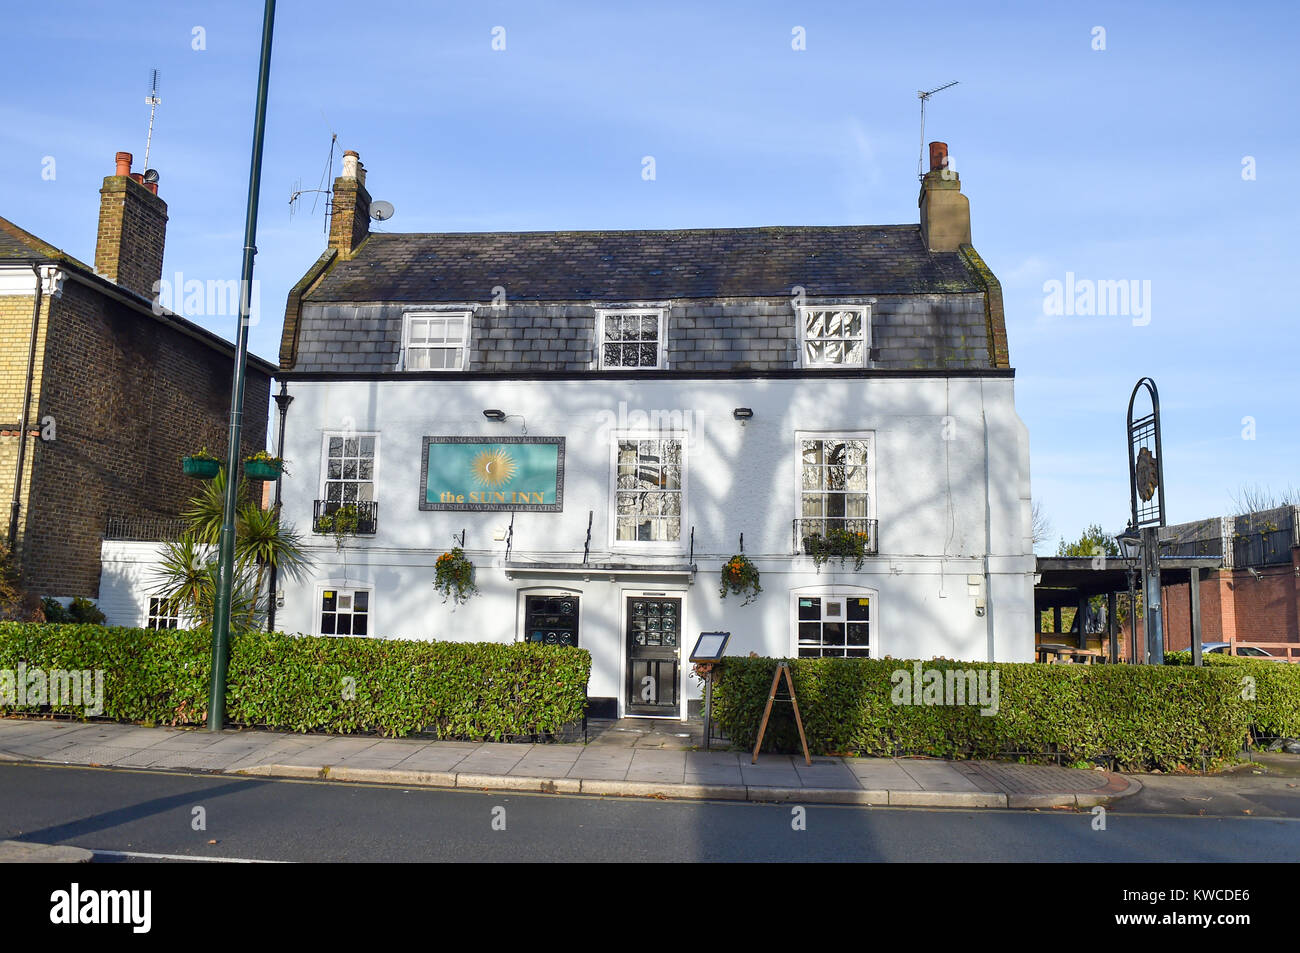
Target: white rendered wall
point(951, 493)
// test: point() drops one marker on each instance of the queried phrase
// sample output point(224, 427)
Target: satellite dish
point(381, 211)
point(151, 175)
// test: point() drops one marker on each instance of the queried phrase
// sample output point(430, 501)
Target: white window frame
point(149, 614)
point(661, 355)
point(653, 546)
point(838, 592)
point(325, 459)
point(802, 312)
point(868, 436)
point(466, 317)
point(316, 609)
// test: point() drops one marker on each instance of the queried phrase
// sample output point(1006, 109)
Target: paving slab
point(623, 767)
point(937, 775)
point(21, 852)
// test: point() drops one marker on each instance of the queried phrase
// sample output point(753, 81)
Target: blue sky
point(1116, 164)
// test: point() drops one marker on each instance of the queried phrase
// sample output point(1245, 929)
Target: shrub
point(308, 683)
point(1143, 716)
point(55, 611)
point(1275, 707)
point(82, 610)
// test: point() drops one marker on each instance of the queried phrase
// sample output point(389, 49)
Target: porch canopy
point(1074, 580)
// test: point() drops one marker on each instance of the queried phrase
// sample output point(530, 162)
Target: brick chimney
point(350, 215)
point(132, 230)
point(945, 212)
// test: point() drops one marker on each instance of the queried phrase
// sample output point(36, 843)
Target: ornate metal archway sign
point(1146, 460)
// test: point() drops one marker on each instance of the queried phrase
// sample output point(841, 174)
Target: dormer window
point(834, 336)
point(630, 339)
point(434, 341)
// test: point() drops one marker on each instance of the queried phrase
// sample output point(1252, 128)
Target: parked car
point(1243, 651)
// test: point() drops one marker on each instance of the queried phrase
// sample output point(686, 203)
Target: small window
point(345, 612)
point(648, 497)
point(435, 341)
point(631, 339)
point(834, 336)
point(834, 625)
point(164, 613)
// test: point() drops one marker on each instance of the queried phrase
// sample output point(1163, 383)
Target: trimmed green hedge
point(1143, 716)
point(1275, 709)
point(298, 683)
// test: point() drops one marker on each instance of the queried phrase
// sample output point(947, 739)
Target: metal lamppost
point(226, 551)
point(1130, 549)
point(1147, 502)
point(282, 401)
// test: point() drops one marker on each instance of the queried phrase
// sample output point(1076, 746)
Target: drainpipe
point(282, 401)
point(26, 417)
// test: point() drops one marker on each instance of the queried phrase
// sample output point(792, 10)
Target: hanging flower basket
point(454, 576)
point(202, 465)
point(263, 466)
point(838, 543)
point(740, 576)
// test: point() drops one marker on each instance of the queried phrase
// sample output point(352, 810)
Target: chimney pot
point(137, 177)
point(351, 161)
point(123, 163)
point(938, 156)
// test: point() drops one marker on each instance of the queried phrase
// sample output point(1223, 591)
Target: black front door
point(552, 620)
point(654, 635)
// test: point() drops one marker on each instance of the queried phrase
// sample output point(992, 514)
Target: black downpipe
point(282, 402)
point(26, 419)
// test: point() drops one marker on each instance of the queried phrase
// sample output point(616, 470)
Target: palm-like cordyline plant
point(188, 570)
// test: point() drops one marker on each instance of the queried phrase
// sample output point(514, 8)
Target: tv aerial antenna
point(297, 193)
point(152, 102)
point(924, 96)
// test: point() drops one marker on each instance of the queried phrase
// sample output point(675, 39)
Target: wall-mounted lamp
point(743, 413)
point(497, 415)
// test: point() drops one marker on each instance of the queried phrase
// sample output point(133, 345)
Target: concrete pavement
point(610, 765)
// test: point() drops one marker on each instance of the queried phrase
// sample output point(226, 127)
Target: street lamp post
point(226, 550)
point(1130, 548)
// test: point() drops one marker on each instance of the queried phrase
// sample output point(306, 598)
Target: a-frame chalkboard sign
point(781, 668)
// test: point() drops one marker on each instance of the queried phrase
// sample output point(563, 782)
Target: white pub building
point(602, 419)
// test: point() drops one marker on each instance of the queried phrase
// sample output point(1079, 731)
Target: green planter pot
point(261, 470)
point(203, 469)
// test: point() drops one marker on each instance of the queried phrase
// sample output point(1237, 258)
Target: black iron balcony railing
point(323, 518)
point(831, 534)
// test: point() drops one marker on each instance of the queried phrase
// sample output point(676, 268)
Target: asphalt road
point(125, 814)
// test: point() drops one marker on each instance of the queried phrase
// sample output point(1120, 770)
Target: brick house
point(101, 393)
point(602, 419)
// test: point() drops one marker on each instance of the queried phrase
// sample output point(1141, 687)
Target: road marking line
point(208, 860)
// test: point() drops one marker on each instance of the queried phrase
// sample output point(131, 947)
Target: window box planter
point(205, 468)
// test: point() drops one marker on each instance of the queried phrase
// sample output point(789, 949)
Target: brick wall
point(1236, 606)
point(15, 339)
point(130, 397)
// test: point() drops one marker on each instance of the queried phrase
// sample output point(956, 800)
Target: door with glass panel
point(653, 635)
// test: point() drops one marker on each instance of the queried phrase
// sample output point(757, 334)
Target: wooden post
point(1081, 616)
point(1194, 592)
point(1112, 625)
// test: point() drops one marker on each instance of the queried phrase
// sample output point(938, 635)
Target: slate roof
point(644, 265)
